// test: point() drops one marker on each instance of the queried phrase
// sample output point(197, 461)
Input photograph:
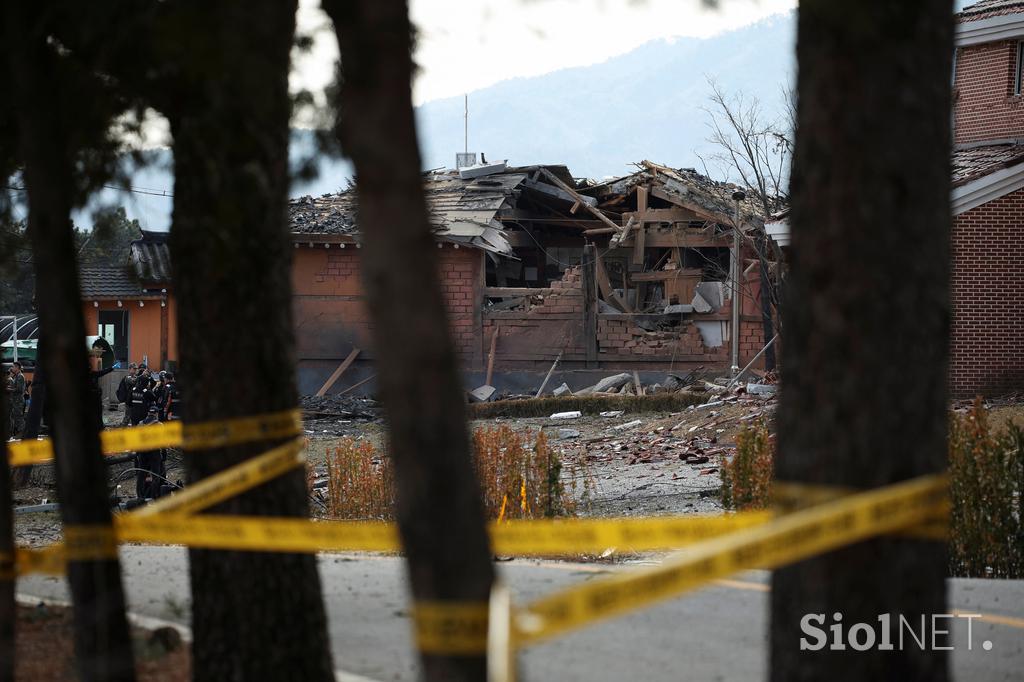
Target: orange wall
point(143, 327)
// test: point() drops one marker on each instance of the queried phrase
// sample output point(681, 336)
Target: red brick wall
point(330, 314)
point(987, 289)
point(986, 108)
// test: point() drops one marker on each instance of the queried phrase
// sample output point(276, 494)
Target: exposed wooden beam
point(605, 285)
point(509, 292)
point(338, 372)
point(579, 197)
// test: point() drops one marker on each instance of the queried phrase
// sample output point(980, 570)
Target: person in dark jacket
point(124, 391)
point(150, 464)
point(95, 392)
point(172, 397)
point(142, 399)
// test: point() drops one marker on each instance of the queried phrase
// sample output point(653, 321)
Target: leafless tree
point(751, 147)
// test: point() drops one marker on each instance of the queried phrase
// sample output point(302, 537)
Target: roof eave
point(988, 187)
point(990, 29)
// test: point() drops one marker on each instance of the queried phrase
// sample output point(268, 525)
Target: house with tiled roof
point(132, 305)
point(987, 288)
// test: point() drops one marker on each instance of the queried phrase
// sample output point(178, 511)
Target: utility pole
point(465, 119)
point(734, 332)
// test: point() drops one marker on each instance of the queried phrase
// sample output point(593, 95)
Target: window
point(1018, 71)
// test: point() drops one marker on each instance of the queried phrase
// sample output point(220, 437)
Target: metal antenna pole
point(466, 123)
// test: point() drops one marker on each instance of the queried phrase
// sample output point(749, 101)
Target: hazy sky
point(465, 45)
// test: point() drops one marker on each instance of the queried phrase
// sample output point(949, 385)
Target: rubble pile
point(344, 406)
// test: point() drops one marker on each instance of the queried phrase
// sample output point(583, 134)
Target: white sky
point(465, 45)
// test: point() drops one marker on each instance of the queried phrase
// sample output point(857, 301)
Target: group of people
point(17, 393)
point(148, 396)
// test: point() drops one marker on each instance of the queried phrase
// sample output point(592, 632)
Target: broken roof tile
point(973, 162)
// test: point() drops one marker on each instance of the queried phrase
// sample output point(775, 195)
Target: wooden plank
point(665, 240)
point(547, 378)
point(639, 244)
point(606, 286)
point(576, 195)
point(490, 355)
point(601, 230)
point(358, 384)
point(589, 283)
point(338, 372)
point(637, 384)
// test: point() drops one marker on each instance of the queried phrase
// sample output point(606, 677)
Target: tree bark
point(255, 615)
point(439, 512)
point(867, 316)
point(46, 121)
point(8, 613)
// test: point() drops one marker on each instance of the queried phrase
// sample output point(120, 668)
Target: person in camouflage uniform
point(16, 400)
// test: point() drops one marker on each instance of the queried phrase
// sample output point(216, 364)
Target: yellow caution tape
point(451, 628)
point(48, 560)
point(199, 436)
point(788, 496)
point(89, 543)
point(259, 534)
point(216, 434)
point(228, 483)
point(582, 536)
point(511, 537)
point(787, 539)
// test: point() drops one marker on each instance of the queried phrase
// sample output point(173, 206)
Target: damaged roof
point(150, 257)
point(461, 210)
point(988, 8)
point(974, 162)
point(688, 189)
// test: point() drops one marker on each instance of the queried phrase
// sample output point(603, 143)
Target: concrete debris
point(568, 434)
point(612, 414)
point(712, 293)
point(677, 309)
point(762, 389)
point(482, 394)
point(616, 381)
point(575, 414)
point(700, 305)
point(628, 425)
point(562, 390)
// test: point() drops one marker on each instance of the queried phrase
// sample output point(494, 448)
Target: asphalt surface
point(718, 633)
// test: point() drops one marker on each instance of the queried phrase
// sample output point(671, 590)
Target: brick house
point(512, 246)
point(987, 287)
point(133, 306)
point(513, 264)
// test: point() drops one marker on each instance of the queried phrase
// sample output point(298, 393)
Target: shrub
point(360, 481)
point(986, 470)
point(747, 480)
point(517, 479)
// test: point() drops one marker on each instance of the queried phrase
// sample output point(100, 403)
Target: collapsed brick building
point(627, 274)
point(634, 273)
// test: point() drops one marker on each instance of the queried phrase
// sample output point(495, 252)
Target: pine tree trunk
point(864, 402)
point(8, 613)
point(439, 510)
point(102, 642)
point(255, 616)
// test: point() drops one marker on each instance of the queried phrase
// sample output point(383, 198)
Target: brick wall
point(330, 312)
point(987, 289)
point(985, 106)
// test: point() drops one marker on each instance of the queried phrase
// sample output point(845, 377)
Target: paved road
point(715, 634)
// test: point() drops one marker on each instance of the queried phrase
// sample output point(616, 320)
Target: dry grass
point(986, 469)
point(747, 479)
point(986, 466)
point(520, 477)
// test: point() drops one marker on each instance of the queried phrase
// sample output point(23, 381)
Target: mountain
point(597, 120)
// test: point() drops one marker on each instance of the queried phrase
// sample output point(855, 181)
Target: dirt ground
point(654, 467)
point(44, 649)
